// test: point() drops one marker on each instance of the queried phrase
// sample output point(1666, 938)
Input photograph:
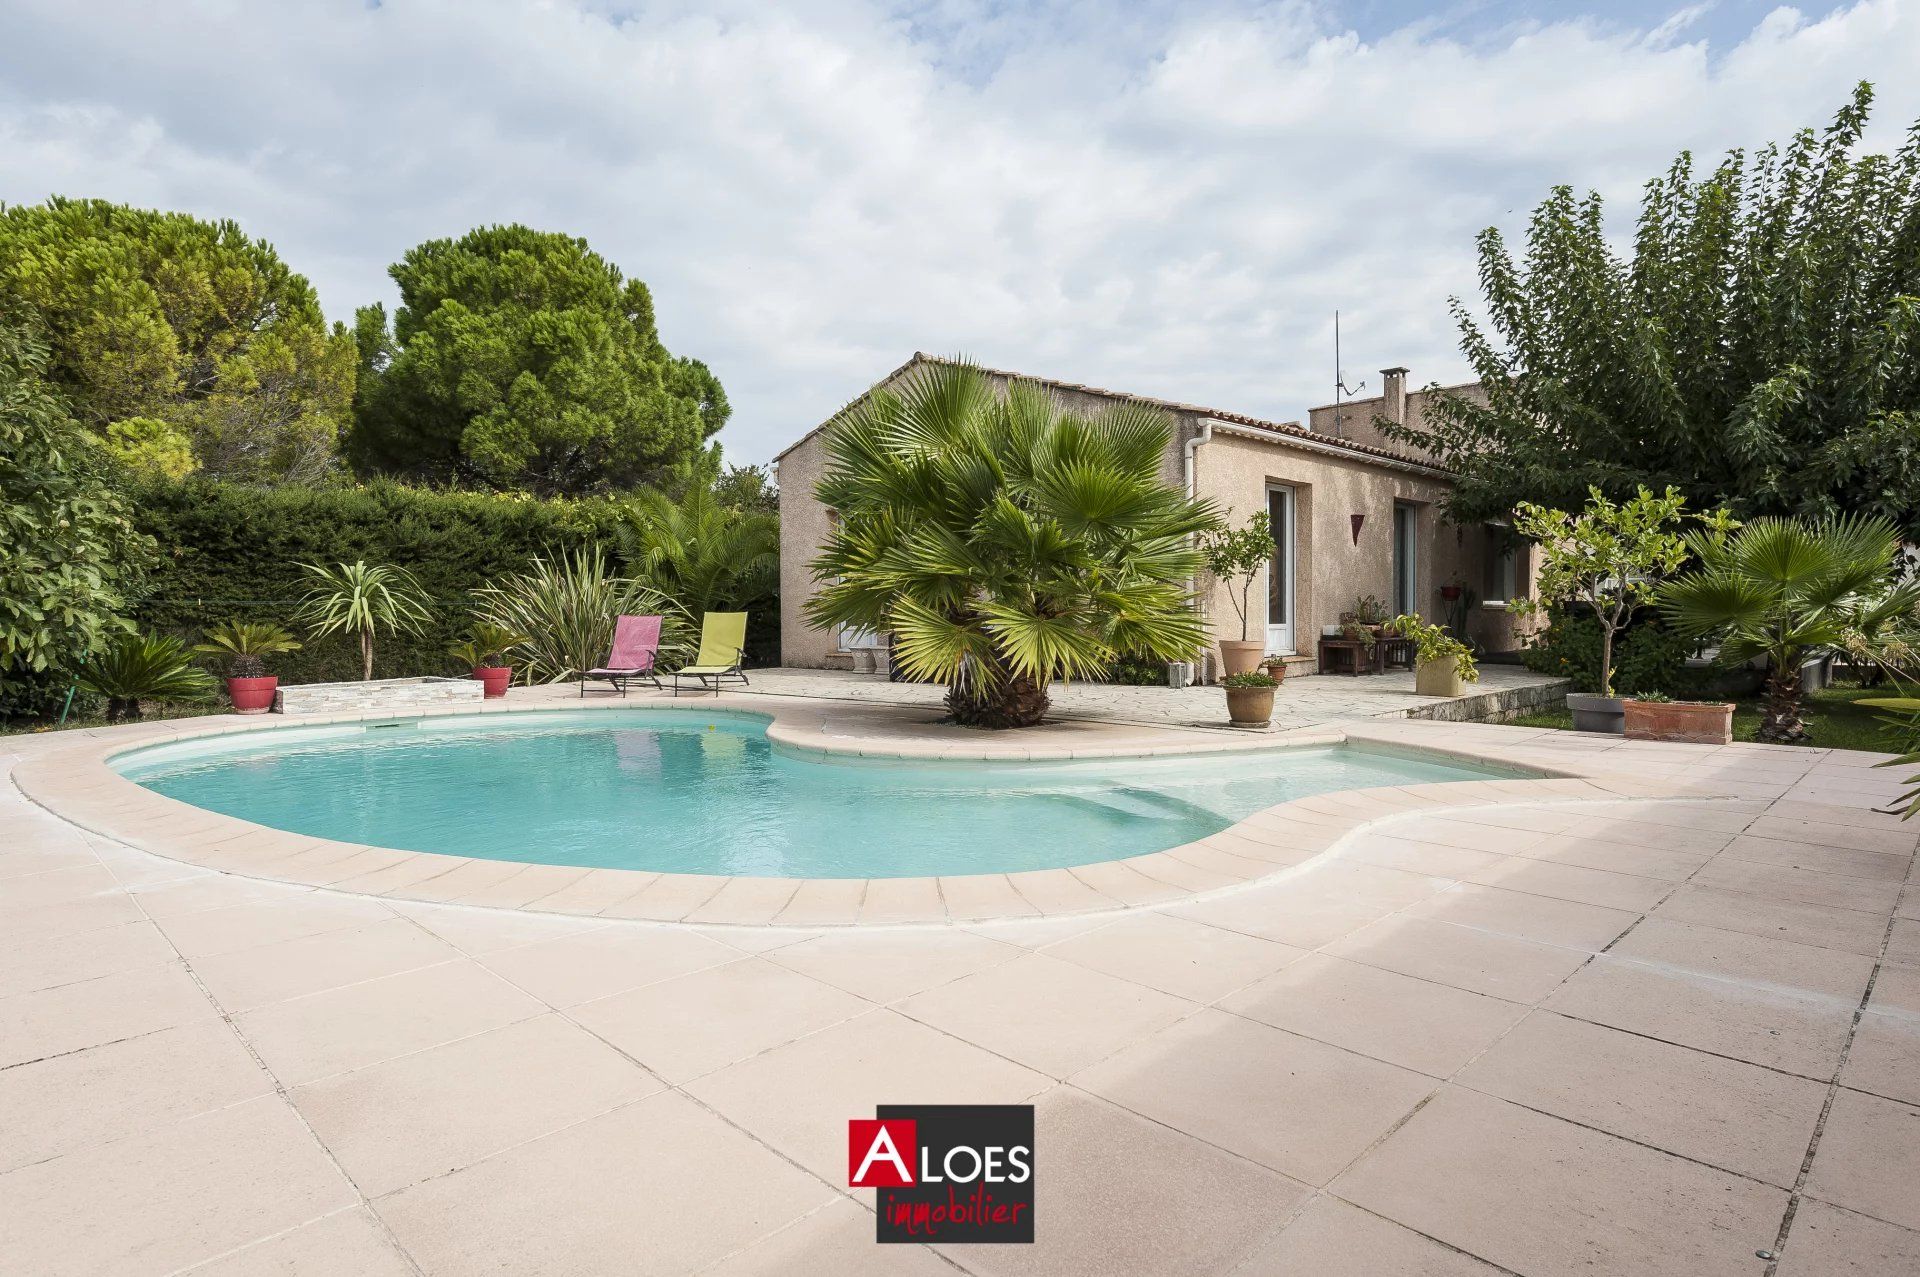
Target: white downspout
point(1193, 582)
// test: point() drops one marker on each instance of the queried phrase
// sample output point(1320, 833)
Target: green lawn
point(1834, 720)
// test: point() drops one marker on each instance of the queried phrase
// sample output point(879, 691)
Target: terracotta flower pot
point(253, 695)
point(493, 680)
point(1689, 722)
point(1241, 656)
point(1276, 670)
point(1250, 706)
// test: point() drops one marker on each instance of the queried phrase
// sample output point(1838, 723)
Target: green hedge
point(232, 551)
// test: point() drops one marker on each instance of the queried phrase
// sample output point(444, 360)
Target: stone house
point(1353, 513)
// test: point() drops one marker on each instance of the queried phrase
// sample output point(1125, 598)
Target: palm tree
point(1004, 541)
point(1783, 589)
point(705, 556)
point(358, 598)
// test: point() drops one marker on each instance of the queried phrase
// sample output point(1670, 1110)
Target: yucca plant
point(566, 607)
point(1004, 541)
point(1784, 589)
point(143, 667)
point(361, 599)
point(245, 645)
point(486, 645)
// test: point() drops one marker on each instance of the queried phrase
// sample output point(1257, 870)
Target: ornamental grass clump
point(565, 608)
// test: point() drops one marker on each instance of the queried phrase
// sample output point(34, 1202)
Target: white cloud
point(1169, 198)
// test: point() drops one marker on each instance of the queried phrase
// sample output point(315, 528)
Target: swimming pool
point(706, 792)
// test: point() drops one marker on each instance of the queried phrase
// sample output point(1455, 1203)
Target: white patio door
point(1280, 620)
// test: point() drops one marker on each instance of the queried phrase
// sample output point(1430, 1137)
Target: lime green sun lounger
point(723, 641)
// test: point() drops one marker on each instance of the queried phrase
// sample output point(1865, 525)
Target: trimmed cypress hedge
point(229, 551)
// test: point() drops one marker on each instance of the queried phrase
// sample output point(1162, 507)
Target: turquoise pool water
point(705, 792)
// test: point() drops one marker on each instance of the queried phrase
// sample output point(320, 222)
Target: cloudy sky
point(1166, 197)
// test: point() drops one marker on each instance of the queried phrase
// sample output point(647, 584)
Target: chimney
point(1393, 391)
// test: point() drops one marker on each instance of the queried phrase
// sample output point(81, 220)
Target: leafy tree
point(522, 359)
point(1758, 348)
point(68, 549)
point(163, 316)
point(1609, 556)
point(361, 599)
point(1785, 588)
point(699, 553)
point(148, 445)
point(1004, 541)
point(1235, 556)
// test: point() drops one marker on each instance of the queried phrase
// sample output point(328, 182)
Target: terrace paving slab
point(1570, 1023)
point(1333, 1238)
point(1518, 1188)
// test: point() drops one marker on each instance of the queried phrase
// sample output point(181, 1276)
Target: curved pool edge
point(78, 785)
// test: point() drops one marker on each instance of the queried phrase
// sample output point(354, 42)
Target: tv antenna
point(1341, 390)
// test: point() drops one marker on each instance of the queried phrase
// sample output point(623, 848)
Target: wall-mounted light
point(1358, 521)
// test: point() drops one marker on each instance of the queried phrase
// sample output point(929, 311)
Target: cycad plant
point(143, 667)
point(705, 556)
point(1005, 541)
point(1785, 589)
point(566, 607)
point(245, 645)
point(485, 646)
point(362, 599)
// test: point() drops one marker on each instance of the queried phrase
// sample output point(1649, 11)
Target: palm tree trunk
point(366, 656)
point(1011, 700)
point(1782, 722)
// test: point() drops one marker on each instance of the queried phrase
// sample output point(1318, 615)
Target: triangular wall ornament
point(1358, 520)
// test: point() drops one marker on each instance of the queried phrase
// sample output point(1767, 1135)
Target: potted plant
point(484, 651)
point(1236, 556)
point(1657, 716)
point(246, 645)
point(143, 667)
point(1275, 668)
point(1611, 556)
point(1443, 665)
point(1249, 698)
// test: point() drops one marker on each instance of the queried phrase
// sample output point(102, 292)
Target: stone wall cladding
point(380, 694)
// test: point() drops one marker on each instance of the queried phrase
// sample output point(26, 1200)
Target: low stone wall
point(381, 694)
point(1498, 705)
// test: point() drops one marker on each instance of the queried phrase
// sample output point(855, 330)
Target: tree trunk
point(1606, 659)
point(122, 709)
point(366, 656)
point(1781, 723)
point(1016, 702)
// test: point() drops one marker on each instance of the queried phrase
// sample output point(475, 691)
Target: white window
point(1502, 582)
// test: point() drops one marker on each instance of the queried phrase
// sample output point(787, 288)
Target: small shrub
point(1648, 657)
point(1252, 678)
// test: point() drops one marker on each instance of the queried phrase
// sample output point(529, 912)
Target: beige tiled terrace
point(1658, 1015)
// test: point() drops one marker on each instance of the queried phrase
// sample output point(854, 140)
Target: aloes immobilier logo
point(946, 1172)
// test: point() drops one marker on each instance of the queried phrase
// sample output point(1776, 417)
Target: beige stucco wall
point(803, 530)
point(1332, 570)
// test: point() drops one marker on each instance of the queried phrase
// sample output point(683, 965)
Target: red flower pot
point(253, 695)
point(493, 679)
point(1449, 592)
